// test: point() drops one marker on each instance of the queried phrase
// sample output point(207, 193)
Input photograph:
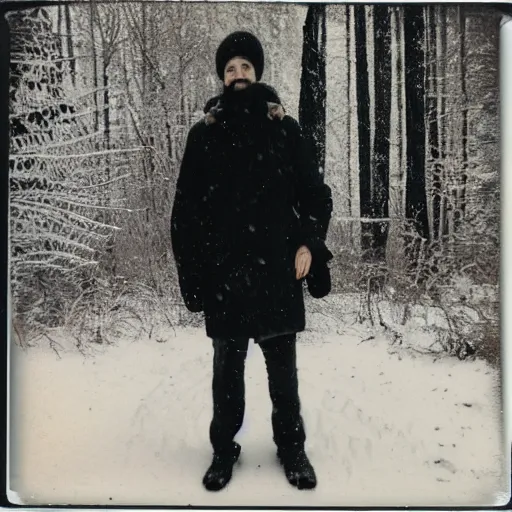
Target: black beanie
point(240, 44)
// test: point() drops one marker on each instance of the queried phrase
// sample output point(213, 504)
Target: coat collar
point(260, 98)
point(275, 111)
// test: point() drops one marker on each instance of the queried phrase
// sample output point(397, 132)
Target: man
point(248, 227)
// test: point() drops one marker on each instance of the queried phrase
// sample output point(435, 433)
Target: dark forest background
point(400, 102)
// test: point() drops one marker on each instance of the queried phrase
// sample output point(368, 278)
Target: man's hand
point(303, 260)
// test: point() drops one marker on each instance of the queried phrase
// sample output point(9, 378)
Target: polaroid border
point(505, 8)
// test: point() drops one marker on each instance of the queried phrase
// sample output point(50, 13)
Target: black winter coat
point(248, 196)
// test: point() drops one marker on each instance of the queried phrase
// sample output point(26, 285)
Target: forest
point(401, 104)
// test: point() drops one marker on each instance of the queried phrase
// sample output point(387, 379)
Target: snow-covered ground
point(128, 424)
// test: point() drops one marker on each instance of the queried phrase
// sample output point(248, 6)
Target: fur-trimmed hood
point(258, 98)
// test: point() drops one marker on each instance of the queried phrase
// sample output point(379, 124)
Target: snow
point(127, 424)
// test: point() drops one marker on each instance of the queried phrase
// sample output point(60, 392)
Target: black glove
point(319, 277)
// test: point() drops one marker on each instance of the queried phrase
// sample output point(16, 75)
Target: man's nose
point(239, 73)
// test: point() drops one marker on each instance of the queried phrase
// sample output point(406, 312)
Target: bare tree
point(380, 163)
point(416, 203)
point(69, 43)
point(433, 163)
point(461, 189)
point(440, 203)
point(108, 23)
point(92, 42)
point(348, 122)
point(313, 82)
point(363, 114)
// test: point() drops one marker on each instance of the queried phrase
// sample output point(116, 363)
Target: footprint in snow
point(446, 464)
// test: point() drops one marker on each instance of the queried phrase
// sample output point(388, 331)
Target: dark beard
point(230, 89)
point(248, 100)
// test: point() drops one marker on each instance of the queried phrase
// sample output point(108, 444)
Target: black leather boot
point(221, 469)
point(297, 468)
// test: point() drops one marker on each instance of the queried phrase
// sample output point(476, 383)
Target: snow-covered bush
point(59, 178)
point(440, 296)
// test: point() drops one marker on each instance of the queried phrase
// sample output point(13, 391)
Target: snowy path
point(130, 426)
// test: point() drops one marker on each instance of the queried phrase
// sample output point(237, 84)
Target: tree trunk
point(416, 201)
point(396, 205)
point(461, 189)
point(145, 52)
point(106, 110)
point(402, 111)
point(363, 114)
point(441, 123)
point(432, 113)
point(348, 120)
point(69, 41)
point(312, 101)
point(380, 171)
point(397, 149)
point(60, 31)
point(92, 13)
point(322, 92)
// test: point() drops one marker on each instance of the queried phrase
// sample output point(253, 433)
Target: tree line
point(419, 60)
point(102, 97)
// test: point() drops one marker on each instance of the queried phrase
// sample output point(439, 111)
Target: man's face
point(239, 72)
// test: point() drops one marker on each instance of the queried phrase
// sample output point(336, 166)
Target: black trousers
point(229, 391)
